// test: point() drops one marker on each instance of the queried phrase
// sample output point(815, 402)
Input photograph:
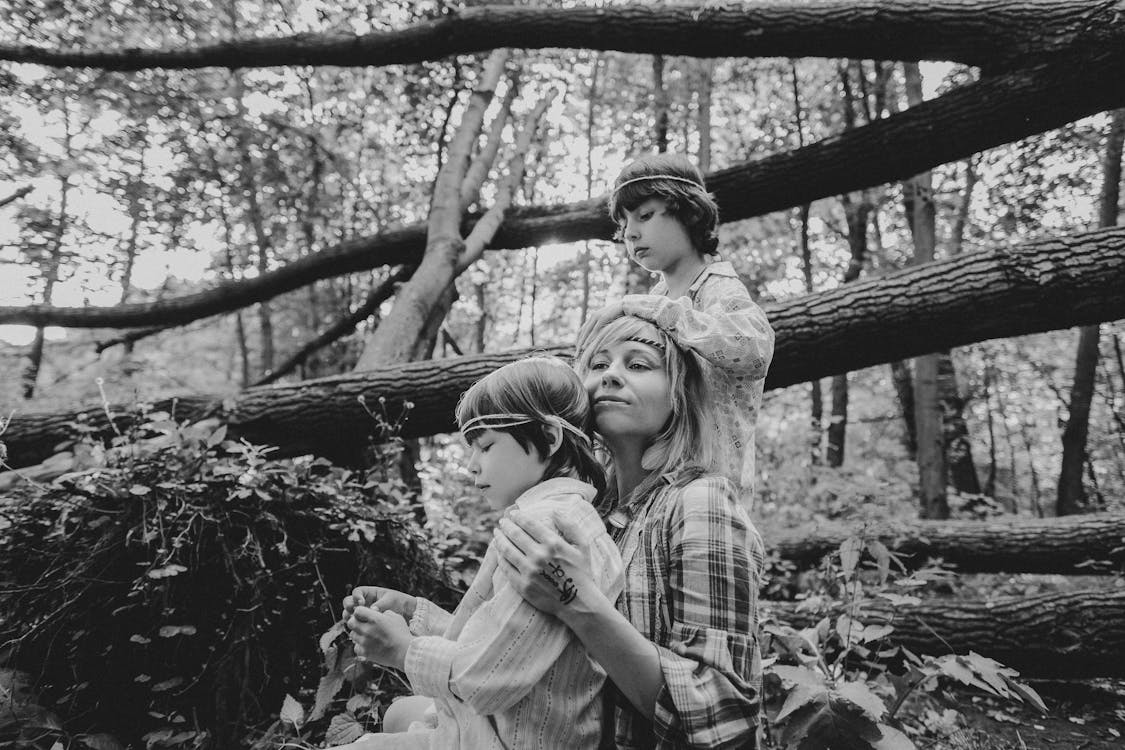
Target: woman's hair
point(686, 445)
point(545, 391)
point(679, 182)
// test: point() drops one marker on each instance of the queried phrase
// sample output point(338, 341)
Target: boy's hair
point(686, 446)
point(675, 179)
point(544, 389)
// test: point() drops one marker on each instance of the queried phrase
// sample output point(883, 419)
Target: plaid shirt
point(719, 321)
point(692, 560)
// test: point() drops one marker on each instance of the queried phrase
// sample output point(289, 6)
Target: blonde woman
point(679, 645)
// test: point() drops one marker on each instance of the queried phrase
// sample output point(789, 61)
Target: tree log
point(1008, 545)
point(1041, 286)
point(981, 115)
point(986, 32)
point(1074, 634)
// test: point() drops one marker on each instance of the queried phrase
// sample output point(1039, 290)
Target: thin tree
point(1071, 492)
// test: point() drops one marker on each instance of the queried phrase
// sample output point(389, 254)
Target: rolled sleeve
point(711, 665)
point(429, 618)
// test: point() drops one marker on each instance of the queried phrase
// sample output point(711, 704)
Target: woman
point(680, 644)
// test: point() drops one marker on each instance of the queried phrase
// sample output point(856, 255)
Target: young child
point(501, 673)
point(667, 220)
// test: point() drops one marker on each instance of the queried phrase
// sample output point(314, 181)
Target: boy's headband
point(677, 178)
point(498, 421)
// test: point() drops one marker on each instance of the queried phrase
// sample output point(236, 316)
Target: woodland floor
point(1084, 715)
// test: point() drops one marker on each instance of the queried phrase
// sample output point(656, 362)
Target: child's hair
point(521, 399)
point(686, 446)
point(679, 182)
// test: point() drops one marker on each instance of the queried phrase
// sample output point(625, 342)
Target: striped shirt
point(719, 321)
point(692, 560)
point(503, 674)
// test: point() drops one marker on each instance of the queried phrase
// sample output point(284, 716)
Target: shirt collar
point(551, 487)
point(714, 268)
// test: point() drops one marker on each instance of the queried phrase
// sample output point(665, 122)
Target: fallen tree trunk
point(1074, 634)
point(985, 32)
point(1013, 545)
point(1045, 285)
point(969, 119)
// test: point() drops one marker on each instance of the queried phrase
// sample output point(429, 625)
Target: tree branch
point(987, 32)
point(342, 327)
point(21, 192)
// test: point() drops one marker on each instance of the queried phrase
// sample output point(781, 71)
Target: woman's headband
point(677, 178)
point(498, 421)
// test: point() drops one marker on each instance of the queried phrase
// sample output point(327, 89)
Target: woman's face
point(629, 389)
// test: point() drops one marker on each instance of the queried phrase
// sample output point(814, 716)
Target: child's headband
point(677, 178)
point(498, 421)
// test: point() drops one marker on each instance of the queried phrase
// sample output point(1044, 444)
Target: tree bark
point(990, 112)
point(1041, 286)
point(659, 106)
point(1071, 492)
point(989, 33)
point(918, 195)
point(1075, 634)
point(1006, 545)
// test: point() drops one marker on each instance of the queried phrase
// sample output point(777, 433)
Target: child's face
point(656, 239)
point(502, 469)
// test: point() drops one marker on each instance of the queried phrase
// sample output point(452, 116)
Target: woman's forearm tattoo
point(564, 584)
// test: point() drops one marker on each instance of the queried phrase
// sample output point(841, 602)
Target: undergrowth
point(171, 592)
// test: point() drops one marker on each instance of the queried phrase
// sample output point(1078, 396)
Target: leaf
point(100, 741)
point(882, 556)
point(849, 554)
point(828, 723)
point(169, 631)
point(877, 631)
point(797, 698)
point(292, 712)
point(167, 684)
point(358, 702)
point(1028, 694)
point(139, 489)
point(892, 739)
point(167, 571)
point(343, 729)
point(861, 695)
point(798, 676)
point(899, 599)
point(330, 684)
point(217, 436)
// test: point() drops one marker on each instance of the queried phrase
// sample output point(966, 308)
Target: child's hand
point(382, 599)
point(594, 323)
point(381, 637)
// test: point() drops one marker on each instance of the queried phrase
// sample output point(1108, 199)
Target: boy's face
point(502, 468)
point(656, 239)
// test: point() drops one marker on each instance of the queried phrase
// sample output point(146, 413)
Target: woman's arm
point(529, 548)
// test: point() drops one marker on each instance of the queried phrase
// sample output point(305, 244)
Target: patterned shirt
point(692, 559)
point(502, 673)
point(718, 321)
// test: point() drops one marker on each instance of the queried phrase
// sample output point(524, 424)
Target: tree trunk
point(987, 33)
point(1071, 492)
point(706, 86)
point(918, 194)
point(1077, 545)
point(659, 106)
point(51, 272)
point(1076, 634)
point(993, 111)
point(904, 392)
point(1039, 286)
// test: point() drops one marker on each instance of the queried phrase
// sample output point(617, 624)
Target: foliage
point(171, 593)
point(843, 682)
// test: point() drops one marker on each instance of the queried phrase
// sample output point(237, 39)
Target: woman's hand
point(381, 637)
point(382, 599)
point(547, 569)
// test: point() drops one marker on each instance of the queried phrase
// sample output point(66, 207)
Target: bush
point(172, 593)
